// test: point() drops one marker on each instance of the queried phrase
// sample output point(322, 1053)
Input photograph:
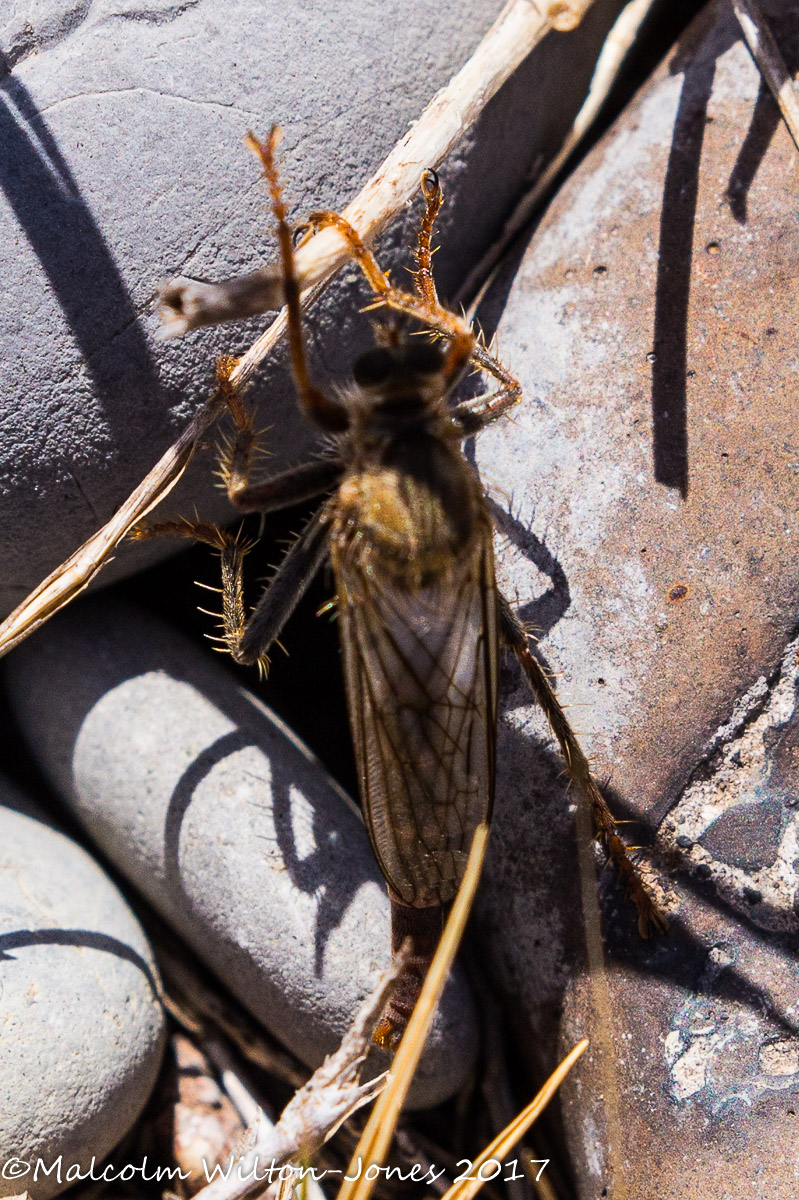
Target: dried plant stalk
point(770, 63)
point(72, 576)
point(377, 1135)
point(614, 51)
point(504, 1142)
point(186, 304)
point(318, 1108)
point(519, 27)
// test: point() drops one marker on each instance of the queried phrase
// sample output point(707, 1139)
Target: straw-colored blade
point(464, 1189)
point(377, 1135)
point(72, 576)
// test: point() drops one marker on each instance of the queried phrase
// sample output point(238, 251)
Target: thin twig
point(494, 1082)
point(614, 51)
point(246, 1103)
point(376, 1138)
point(316, 1111)
point(187, 304)
point(504, 1142)
point(519, 27)
point(769, 61)
point(240, 1094)
point(72, 576)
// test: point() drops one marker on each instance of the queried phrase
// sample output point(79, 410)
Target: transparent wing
point(421, 677)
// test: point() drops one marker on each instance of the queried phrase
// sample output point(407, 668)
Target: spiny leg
point(433, 314)
point(327, 413)
point(249, 639)
point(286, 588)
point(423, 275)
point(232, 551)
point(237, 455)
point(473, 415)
point(515, 636)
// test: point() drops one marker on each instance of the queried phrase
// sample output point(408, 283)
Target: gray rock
point(121, 163)
point(81, 1020)
point(651, 474)
point(226, 823)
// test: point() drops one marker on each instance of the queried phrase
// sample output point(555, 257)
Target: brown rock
point(650, 474)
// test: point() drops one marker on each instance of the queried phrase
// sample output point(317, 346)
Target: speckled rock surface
point(121, 163)
point(225, 822)
point(651, 472)
point(82, 1028)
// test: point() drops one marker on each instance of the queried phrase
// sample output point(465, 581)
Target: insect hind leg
point(513, 633)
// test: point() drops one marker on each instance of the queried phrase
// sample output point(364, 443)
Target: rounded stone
point(82, 1024)
point(122, 164)
point(646, 503)
point(226, 823)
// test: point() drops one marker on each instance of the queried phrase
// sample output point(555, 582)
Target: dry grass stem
point(614, 51)
point(71, 577)
point(504, 1142)
point(770, 63)
point(187, 304)
point(519, 27)
point(377, 1135)
point(314, 1114)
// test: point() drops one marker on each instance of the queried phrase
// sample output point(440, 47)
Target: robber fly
point(405, 524)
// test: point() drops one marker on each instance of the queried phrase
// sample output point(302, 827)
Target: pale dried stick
point(465, 1189)
point(239, 1093)
point(314, 1114)
point(379, 1130)
point(246, 1104)
point(769, 61)
point(71, 577)
point(611, 58)
point(186, 304)
point(519, 27)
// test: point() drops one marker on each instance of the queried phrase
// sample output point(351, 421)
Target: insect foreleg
point(423, 276)
point(289, 584)
point(325, 412)
point(425, 307)
point(248, 640)
point(515, 637)
point(474, 415)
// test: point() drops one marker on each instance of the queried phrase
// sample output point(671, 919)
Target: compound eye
point(374, 367)
point(424, 358)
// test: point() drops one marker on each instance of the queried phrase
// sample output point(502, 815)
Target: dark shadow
point(539, 829)
point(765, 121)
point(680, 956)
point(330, 861)
point(325, 873)
point(76, 937)
point(183, 795)
point(543, 613)
point(331, 870)
point(45, 198)
point(678, 212)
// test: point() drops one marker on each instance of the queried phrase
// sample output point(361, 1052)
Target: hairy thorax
point(409, 509)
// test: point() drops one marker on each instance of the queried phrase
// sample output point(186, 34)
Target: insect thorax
point(409, 504)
